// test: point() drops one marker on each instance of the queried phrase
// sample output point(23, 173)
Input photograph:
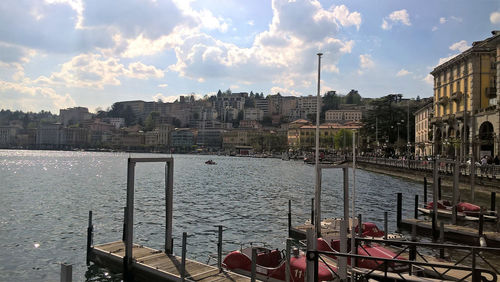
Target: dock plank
point(154, 263)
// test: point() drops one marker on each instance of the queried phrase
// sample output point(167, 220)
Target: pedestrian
point(496, 161)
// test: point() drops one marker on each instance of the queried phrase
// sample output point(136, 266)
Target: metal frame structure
point(129, 210)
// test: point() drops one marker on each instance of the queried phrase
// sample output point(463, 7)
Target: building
point(466, 111)
point(234, 101)
point(239, 137)
point(164, 130)
point(423, 145)
point(210, 138)
point(50, 135)
point(307, 105)
point(302, 134)
point(7, 136)
point(116, 122)
point(253, 114)
point(250, 124)
point(182, 139)
point(263, 105)
point(342, 116)
point(74, 115)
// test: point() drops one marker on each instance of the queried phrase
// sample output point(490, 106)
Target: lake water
point(45, 197)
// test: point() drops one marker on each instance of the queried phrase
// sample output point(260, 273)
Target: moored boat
point(465, 211)
point(271, 265)
point(210, 162)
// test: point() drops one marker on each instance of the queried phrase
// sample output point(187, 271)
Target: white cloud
point(446, 59)
point(429, 79)
point(173, 98)
point(460, 46)
point(366, 62)
point(442, 20)
point(403, 72)
point(495, 17)
point(400, 16)
point(28, 97)
point(250, 23)
point(163, 85)
point(434, 28)
point(96, 71)
point(284, 91)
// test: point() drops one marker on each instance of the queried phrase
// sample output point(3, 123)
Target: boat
point(368, 250)
point(465, 211)
point(271, 265)
point(210, 162)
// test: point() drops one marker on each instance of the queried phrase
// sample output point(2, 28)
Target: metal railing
point(444, 166)
point(440, 270)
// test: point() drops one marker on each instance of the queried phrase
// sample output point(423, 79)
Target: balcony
point(457, 96)
point(491, 92)
point(436, 120)
point(443, 100)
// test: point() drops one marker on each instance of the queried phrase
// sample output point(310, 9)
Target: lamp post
point(317, 200)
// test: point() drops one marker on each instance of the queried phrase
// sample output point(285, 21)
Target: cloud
point(434, 28)
point(164, 85)
point(173, 98)
point(429, 79)
point(460, 46)
point(495, 17)
point(365, 62)
point(251, 23)
point(400, 16)
point(446, 59)
point(284, 91)
point(97, 71)
point(27, 97)
point(403, 72)
point(442, 20)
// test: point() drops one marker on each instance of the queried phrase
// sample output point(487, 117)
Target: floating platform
point(455, 233)
point(153, 265)
point(460, 215)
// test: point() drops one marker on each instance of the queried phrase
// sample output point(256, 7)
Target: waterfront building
point(250, 124)
point(466, 110)
point(151, 138)
point(342, 116)
point(49, 135)
point(7, 136)
point(182, 139)
point(423, 145)
point(209, 138)
point(239, 137)
point(76, 137)
point(302, 135)
point(74, 115)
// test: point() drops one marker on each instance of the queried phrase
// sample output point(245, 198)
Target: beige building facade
point(423, 146)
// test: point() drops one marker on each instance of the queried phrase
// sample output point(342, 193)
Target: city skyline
point(63, 53)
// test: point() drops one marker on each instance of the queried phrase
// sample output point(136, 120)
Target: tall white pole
point(317, 200)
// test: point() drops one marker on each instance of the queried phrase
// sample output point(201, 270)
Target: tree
point(129, 116)
point(151, 121)
point(343, 139)
point(353, 97)
point(219, 94)
point(228, 92)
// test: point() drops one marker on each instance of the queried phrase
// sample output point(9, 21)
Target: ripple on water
point(46, 196)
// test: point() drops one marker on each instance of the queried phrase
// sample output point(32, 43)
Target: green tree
point(151, 121)
point(353, 97)
point(343, 139)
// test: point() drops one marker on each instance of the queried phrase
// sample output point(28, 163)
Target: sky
point(64, 53)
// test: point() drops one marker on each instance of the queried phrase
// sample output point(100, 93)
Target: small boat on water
point(271, 265)
point(465, 211)
point(210, 162)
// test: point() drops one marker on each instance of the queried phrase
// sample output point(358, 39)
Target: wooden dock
point(456, 233)
point(152, 265)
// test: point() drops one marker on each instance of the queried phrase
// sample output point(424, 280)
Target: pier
point(140, 263)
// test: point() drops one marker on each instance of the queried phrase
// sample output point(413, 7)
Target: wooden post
point(342, 261)
point(219, 250)
point(399, 210)
point(124, 235)
point(386, 229)
point(289, 216)
point(475, 277)
point(413, 248)
point(127, 259)
point(439, 189)
point(425, 190)
point(90, 234)
point(416, 207)
point(441, 239)
point(493, 201)
point(360, 226)
point(169, 203)
point(481, 223)
point(312, 211)
point(183, 256)
point(456, 175)
point(254, 265)
point(66, 272)
point(288, 254)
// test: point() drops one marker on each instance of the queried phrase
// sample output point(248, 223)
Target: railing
point(444, 166)
point(416, 260)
